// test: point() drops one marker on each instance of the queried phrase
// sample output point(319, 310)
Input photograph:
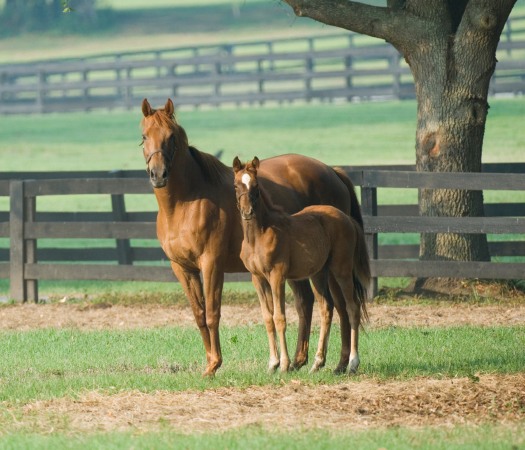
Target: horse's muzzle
point(158, 180)
point(247, 215)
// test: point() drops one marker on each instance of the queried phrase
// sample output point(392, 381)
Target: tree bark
point(450, 47)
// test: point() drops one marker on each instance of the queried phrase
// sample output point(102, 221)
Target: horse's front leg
point(277, 283)
point(213, 279)
point(264, 293)
point(304, 304)
point(192, 286)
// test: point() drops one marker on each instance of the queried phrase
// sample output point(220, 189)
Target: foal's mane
point(213, 170)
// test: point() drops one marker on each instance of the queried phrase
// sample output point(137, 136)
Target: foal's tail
point(361, 275)
point(355, 209)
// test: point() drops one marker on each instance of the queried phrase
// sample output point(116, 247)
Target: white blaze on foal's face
point(246, 180)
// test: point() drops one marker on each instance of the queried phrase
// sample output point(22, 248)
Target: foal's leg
point(326, 307)
point(192, 286)
point(340, 306)
point(277, 283)
point(304, 304)
point(354, 313)
point(264, 293)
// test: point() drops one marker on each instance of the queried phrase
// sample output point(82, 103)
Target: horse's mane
point(214, 171)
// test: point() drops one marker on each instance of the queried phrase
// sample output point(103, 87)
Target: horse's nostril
point(165, 174)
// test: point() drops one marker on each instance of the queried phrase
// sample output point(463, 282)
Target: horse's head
point(161, 138)
point(246, 186)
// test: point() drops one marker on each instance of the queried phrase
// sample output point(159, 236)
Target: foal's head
point(161, 138)
point(246, 186)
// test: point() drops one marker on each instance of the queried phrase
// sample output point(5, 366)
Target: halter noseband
point(167, 160)
point(252, 199)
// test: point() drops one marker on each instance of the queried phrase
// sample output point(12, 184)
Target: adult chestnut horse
point(198, 224)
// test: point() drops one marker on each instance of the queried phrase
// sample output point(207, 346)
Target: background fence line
point(326, 67)
point(24, 263)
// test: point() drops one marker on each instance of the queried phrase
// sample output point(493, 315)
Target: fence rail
point(25, 263)
point(324, 67)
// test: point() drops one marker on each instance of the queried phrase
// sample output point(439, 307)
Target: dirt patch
point(107, 316)
point(347, 406)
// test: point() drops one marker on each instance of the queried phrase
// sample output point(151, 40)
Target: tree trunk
point(450, 47)
point(452, 82)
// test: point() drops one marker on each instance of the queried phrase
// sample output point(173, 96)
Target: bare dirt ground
point(349, 405)
point(103, 315)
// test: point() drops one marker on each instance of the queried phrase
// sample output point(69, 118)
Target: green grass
point(486, 437)
point(49, 363)
point(349, 134)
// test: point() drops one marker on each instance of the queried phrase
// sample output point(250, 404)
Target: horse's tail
point(355, 209)
point(362, 274)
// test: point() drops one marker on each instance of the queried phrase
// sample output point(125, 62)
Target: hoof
point(272, 366)
point(299, 362)
point(354, 364)
point(208, 373)
point(340, 369)
point(285, 366)
point(318, 364)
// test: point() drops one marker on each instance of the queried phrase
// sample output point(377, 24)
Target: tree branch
point(355, 16)
point(395, 23)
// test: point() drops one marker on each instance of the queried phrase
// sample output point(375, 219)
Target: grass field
point(116, 361)
point(52, 381)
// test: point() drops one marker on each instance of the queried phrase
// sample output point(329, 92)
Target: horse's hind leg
point(265, 299)
point(304, 304)
point(340, 306)
point(354, 313)
point(326, 307)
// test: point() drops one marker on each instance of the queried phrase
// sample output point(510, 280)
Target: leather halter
point(253, 201)
point(168, 161)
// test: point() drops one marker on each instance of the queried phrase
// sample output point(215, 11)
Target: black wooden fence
point(25, 263)
point(326, 67)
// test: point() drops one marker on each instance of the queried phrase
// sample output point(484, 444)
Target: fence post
point(31, 249)
point(17, 244)
point(369, 208)
point(41, 92)
point(118, 206)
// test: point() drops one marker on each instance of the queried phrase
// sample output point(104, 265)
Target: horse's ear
point(255, 162)
point(236, 164)
point(147, 110)
point(169, 108)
